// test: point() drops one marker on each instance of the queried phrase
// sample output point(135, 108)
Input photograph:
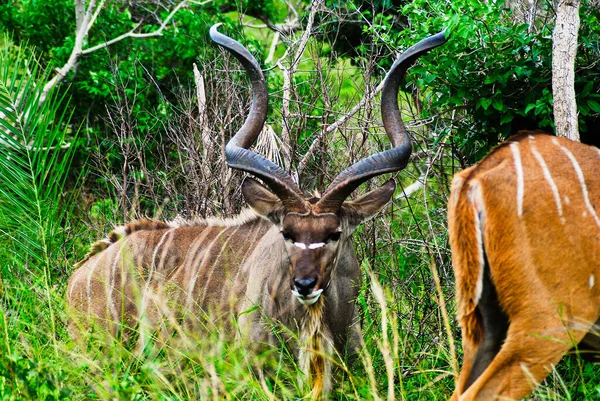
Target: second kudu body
point(524, 229)
point(291, 256)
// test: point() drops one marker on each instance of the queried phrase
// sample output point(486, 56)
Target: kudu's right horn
point(391, 160)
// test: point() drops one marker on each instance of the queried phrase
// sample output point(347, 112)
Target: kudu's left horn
point(391, 160)
point(236, 152)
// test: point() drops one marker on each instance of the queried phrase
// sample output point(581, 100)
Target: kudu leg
point(478, 356)
point(524, 360)
point(589, 347)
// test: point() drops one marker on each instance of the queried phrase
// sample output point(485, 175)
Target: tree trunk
point(564, 49)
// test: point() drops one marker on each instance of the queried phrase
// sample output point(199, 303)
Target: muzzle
point(307, 299)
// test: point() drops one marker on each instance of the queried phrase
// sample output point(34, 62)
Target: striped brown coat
point(524, 229)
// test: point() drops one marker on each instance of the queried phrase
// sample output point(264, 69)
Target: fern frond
point(34, 161)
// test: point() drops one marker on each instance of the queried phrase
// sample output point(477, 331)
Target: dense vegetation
point(126, 134)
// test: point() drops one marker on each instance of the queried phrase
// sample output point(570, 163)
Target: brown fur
point(542, 246)
point(120, 232)
point(149, 274)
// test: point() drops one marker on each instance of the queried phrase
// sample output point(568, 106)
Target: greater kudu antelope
point(291, 256)
point(525, 235)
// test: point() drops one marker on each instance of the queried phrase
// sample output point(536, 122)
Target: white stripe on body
point(548, 177)
point(581, 179)
point(153, 261)
point(89, 282)
point(255, 232)
point(193, 257)
point(192, 283)
point(514, 147)
point(111, 282)
point(216, 261)
point(476, 198)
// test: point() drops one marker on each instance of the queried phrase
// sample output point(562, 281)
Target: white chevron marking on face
point(316, 245)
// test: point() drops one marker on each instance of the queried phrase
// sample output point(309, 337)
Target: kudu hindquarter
point(291, 256)
point(524, 229)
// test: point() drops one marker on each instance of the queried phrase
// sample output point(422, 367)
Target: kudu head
point(315, 230)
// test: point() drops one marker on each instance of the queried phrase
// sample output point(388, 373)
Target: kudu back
point(290, 255)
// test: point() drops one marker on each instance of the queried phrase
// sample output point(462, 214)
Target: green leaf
point(595, 106)
point(485, 103)
point(506, 118)
point(586, 89)
point(529, 107)
point(249, 310)
point(489, 79)
point(498, 104)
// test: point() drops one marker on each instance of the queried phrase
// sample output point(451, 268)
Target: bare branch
point(287, 80)
point(90, 16)
point(133, 34)
point(84, 22)
point(306, 35)
point(285, 111)
point(335, 125)
point(287, 28)
point(93, 19)
point(409, 190)
point(79, 14)
point(272, 48)
point(205, 138)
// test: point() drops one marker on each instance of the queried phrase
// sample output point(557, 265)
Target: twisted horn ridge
point(236, 151)
point(391, 160)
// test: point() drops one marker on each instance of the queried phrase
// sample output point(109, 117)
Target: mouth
point(307, 299)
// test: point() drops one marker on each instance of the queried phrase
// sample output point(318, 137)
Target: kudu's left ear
point(368, 205)
point(261, 200)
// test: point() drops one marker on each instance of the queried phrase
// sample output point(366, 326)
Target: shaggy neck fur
point(316, 347)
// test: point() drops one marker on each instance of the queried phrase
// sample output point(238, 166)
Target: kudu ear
point(261, 200)
point(368, 205)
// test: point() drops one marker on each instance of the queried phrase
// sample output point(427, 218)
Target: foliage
point(35, 161)
point(497, 73)
point(156, 66)
point(493, 77)
point(37, 145)
point(24, 378)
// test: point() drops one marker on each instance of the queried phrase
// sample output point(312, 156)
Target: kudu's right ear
point(261, 200)
point(368, 205)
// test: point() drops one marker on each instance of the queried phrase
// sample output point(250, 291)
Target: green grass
point(39, 360)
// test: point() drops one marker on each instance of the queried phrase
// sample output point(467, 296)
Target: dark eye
point(287, 236)
point(334, 236)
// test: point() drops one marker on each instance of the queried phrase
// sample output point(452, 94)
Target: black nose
point(305, 285)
